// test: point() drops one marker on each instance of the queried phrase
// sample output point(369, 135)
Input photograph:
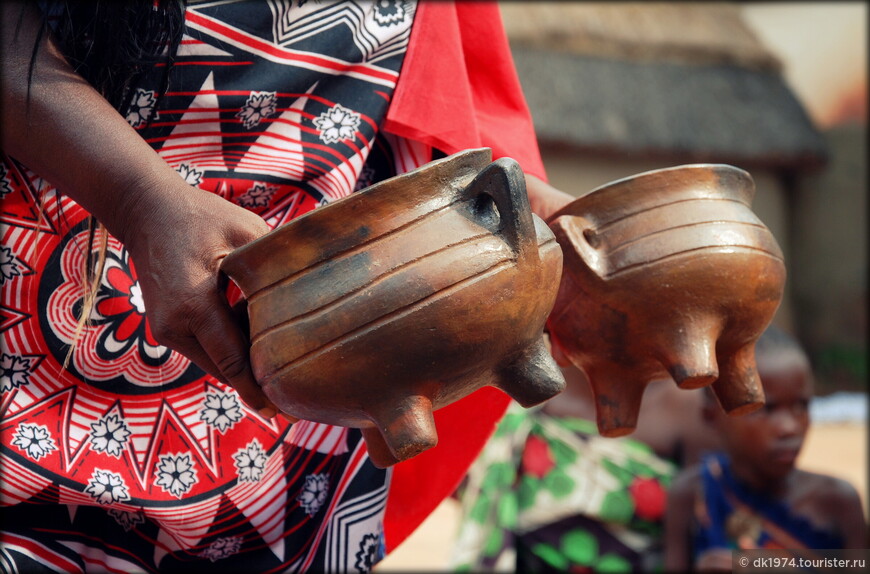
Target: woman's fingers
point(226, 348)
point(194, 351)
point(209, 335)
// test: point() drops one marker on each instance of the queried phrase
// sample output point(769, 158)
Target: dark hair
point(113, 43)
point(774, 339)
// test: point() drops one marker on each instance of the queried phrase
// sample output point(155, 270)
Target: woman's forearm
point(545, 199)
point(57, 125)
point(64, 130)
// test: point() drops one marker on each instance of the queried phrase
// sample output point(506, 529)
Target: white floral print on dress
point(191, 175)
point(222, 547)
point(175, 474)
point(260, 105)
point(141, 107)
point(258, 196)
point(9, 268)
point(109, 435)
point(313, 493)
point(221, 410)
point(250, 462)
point(107, 487)
point(35, 440)
point(14, 371)
point(127, 520)
point(337, 124)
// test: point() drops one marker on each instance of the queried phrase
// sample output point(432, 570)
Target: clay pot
point(667, 274)
point(374, 310)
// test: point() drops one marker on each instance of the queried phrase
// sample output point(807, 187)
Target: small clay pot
point(374, 310)
point(667, 273)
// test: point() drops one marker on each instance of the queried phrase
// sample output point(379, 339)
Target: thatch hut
point(620, 88)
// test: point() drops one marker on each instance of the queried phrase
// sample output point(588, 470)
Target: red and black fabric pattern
point(125, 456)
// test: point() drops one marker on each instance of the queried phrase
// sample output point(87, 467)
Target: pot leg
point(379, 452)
point(533, 377)
point(401, 433)
point(738, 388)
point(689, 355)
point(618, 395)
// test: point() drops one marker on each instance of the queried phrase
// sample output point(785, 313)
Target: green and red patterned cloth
point(551, 494)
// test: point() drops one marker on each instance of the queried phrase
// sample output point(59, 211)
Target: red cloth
point(458, 90)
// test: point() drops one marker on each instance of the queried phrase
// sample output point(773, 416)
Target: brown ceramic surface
point(667, 273)
point(375, 310)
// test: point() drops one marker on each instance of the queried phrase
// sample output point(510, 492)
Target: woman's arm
point(678, 516)
point(61, 128)
point(545, 199)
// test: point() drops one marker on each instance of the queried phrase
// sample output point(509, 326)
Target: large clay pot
point(667, 273)
point(374, 310)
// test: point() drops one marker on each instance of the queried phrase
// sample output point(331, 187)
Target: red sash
point(458, 89)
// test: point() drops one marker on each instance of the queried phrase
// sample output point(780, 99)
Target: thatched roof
point(693, 33)
point(683, 80)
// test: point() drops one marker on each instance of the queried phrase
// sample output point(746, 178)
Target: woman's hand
point(177, 239)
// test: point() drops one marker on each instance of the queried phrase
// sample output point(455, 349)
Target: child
point(751, 495)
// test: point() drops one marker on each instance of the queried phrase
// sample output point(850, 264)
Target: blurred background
point(776, 88)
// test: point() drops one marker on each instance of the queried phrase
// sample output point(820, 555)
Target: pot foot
point(401, 433)
point(533, 377)
point(738, 388)
point(690, 356)
point(617, 402)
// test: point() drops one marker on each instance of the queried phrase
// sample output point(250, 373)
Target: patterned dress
point(549, 494)
point(130, 458)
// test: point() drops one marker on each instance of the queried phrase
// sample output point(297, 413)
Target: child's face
point(764, 445)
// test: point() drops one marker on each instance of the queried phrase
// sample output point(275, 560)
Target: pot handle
point(503, 183)
point(573, 234)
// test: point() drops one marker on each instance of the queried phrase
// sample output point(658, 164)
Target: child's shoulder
point(825, 497)
point(831, 503)
point(830, 488)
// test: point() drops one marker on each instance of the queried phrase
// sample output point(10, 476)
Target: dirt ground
point(838, 449)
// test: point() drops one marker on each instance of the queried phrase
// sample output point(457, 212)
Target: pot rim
point(323, 240)
point(682, 176)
